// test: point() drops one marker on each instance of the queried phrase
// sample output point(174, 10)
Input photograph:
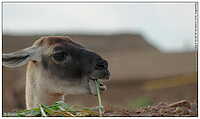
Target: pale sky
point(168, 26)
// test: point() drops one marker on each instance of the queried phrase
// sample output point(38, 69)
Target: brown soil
point(180, 108)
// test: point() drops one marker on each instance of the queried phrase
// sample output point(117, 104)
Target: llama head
point(63, 60)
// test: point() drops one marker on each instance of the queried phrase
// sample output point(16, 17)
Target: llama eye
point(59, 56)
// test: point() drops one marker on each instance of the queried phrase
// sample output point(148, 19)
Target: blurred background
point(150, 48)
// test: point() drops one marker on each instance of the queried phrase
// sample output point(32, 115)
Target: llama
point(58, 66)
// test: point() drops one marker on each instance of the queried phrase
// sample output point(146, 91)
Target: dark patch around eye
point(59, 56)
point(58, 49)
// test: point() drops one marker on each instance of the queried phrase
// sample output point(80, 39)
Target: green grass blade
point(99, 99)
point(42, 111)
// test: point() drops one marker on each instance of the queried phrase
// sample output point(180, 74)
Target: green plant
point(140, 102)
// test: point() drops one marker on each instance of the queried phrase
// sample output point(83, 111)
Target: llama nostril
point(101, 65)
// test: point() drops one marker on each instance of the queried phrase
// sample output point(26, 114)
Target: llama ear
point(21, 57)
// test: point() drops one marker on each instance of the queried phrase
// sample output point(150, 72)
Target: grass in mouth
point(61, 109)
point(101, 109)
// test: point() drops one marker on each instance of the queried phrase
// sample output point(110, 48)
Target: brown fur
point(53, 40)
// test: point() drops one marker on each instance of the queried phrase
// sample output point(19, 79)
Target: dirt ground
point(180, 108)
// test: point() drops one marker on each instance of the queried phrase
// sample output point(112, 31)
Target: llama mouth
point(92, 86)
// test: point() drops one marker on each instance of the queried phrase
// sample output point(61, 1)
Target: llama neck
point(36, 91)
